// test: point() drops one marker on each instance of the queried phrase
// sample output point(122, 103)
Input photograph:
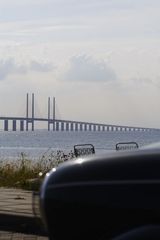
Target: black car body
point(103, 196)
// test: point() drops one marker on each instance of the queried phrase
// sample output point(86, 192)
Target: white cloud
point(73, 20)
point(41, 67)
point(85, 69)
point(10, 67)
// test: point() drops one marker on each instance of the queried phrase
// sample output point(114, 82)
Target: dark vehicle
point(112, 196)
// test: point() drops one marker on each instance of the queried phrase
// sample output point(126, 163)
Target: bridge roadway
point(66, 125)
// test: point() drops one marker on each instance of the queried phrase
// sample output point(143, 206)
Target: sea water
point(35, 144)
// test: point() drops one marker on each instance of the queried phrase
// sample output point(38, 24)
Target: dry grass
point(28, 174)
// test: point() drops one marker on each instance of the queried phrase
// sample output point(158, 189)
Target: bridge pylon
point(51, 120)
point(30, 119)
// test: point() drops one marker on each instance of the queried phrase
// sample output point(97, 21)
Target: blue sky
point(99, 58)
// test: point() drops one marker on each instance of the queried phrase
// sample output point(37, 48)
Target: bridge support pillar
point(67, 126)
point(81, 127)
point(14, 125)
point(53, 125)
point(94, 128)
point(32, 125)
point(85, 127)
point(48, 125)
point(99, 128)
point(71, 126)
point(62, 126)
point(76, 126)
point(21, 125)
point(90, 127)
point(5, 125)
point(26, 124)
point(57, 126)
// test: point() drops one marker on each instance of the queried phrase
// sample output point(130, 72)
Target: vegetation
point(28, 174)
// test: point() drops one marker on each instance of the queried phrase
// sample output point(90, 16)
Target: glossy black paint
point(102, 196)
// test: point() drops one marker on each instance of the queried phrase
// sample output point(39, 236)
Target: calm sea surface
point(35, 144)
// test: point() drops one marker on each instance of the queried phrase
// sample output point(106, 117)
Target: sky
point(100, 59)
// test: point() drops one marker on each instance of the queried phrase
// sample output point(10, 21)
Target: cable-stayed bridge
point(27, 122)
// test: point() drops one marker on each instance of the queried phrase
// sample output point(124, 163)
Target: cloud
point(85, 69)
point(10, 67)
point(41, 67)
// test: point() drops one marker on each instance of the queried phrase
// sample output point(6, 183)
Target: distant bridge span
point(66, 125)
point(59, 124)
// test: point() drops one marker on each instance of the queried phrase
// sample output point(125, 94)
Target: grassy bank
point(28, 174)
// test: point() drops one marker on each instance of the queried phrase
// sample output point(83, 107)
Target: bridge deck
point(69, 123)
